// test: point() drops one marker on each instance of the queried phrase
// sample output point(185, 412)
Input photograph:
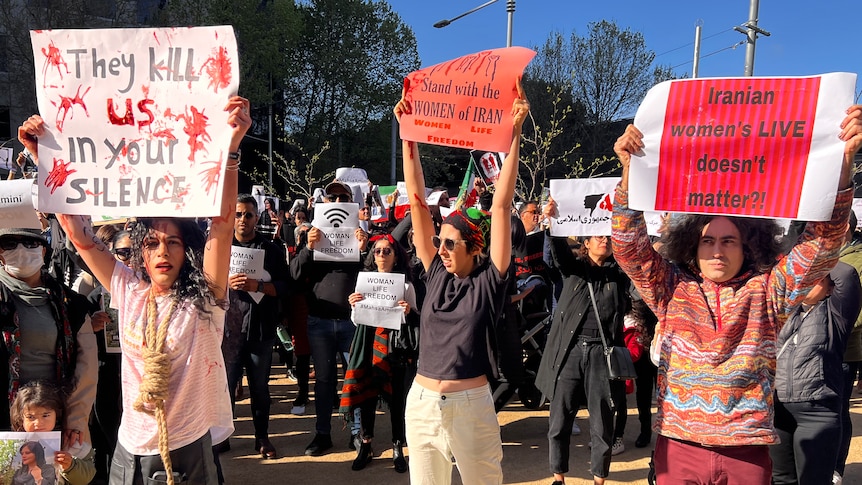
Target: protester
point(250, 324)
point(573, 363)
point(39, 408)
point(465, 293)
point(330, 330)
point(173, 298)
point(382, 361)
point(46, 332)
point(852, 255)
point(721, 296)
point(809, 381)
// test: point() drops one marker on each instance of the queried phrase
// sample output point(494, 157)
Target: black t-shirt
point(457, 315)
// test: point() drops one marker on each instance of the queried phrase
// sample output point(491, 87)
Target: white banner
point(584, 206)
point(337, 222)
point(134, 118)
point(250, 262)
point(16, 204)
point(381, 293)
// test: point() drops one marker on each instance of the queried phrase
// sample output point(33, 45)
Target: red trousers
point(682, 462)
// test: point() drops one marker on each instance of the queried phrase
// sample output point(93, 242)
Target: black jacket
point(811, 346)
point(611, 287)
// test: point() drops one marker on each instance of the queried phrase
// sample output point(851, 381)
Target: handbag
point(619, 359)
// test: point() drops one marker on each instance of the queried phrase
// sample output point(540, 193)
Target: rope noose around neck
point(157, 371)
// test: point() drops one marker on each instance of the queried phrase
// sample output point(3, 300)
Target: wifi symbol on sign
point(336, 216)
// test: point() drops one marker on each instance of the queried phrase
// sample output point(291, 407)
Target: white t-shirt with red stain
point(198, 401)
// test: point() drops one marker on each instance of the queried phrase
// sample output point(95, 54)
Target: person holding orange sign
point(450, 409)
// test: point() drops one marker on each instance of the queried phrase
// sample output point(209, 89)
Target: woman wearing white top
point(171, 317)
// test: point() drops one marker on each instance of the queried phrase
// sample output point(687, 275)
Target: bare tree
point(299, 176)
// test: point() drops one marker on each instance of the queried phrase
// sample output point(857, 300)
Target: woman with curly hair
point(382, 362)
point(171, 307)
point(722, 296)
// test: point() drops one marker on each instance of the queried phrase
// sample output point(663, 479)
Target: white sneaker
point(576, 430)
point(836, 478)
point(298, 410)
point(618, 447)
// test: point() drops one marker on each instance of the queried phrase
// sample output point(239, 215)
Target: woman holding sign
point(721, 297)
point(450, 409)
point(171, 319)
point(382, 362)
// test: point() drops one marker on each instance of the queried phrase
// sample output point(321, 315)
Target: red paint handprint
point(58, 175)
point(65, 107)
point(53, 59)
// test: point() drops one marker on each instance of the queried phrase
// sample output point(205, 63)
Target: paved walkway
point(525, 449)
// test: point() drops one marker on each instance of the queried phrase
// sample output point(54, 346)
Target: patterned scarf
point(473, 224)
point(367, 376)
point(58, 300)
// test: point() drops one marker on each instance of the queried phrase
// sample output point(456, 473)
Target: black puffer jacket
point(811, 346)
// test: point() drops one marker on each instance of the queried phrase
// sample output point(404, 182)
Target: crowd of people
point(738, 335)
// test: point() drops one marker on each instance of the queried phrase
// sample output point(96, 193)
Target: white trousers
point(460, 424)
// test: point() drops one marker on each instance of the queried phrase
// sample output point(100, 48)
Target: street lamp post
point(510, 9)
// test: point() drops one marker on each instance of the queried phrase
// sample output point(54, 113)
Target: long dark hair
point(759, 239)
point(402, 259)
point(191, 284)
point(37, 449)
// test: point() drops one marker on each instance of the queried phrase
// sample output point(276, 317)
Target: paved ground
point(525, 449)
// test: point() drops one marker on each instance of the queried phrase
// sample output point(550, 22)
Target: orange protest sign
point(465, 102)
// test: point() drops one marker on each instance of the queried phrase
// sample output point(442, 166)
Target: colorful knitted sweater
point(717, 341)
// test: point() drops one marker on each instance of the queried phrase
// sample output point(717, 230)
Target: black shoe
point(355, 441)
point(557, 482)
point(643, 439)
point(319, 445)
point(398, 457)
point(222, 447)
point(363, 456)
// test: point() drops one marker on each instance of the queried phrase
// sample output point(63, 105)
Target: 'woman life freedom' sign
point(134, 119)
point(765, 147)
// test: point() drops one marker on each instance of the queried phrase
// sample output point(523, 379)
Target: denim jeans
point(328, 337)
point(256, 359)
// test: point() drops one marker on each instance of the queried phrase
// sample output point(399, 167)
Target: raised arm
point(217, 249)
point(500, 249)
point(79, 229)
point(414, 179)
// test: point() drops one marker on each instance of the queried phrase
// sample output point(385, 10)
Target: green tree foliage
point(350, 62)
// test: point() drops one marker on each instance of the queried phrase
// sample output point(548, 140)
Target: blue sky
point(808, 37)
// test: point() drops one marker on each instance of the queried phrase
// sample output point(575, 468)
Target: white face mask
point(23, 262)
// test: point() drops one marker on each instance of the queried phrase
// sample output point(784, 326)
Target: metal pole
point(754, 7)
point(445, 22)
point(698, 27)
point(510, 9)
point(392, 179)
point(269, 135)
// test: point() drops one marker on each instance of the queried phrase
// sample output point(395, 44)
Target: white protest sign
point(6, 158)
point(653, 222)
point(584, 206)
point(760, 147)
point(857, 209)
point(134, 118)
point(337, 222)
point(381, 293)
point(16, 204)
point(250, 262)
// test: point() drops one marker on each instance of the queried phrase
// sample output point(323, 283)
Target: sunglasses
point(383, 251)
point(449, 244)
point(338, 198)
point(245, 215)
point(12, 244)
point(123, 254)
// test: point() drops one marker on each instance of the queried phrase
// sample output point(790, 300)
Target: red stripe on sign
point(736, 146)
